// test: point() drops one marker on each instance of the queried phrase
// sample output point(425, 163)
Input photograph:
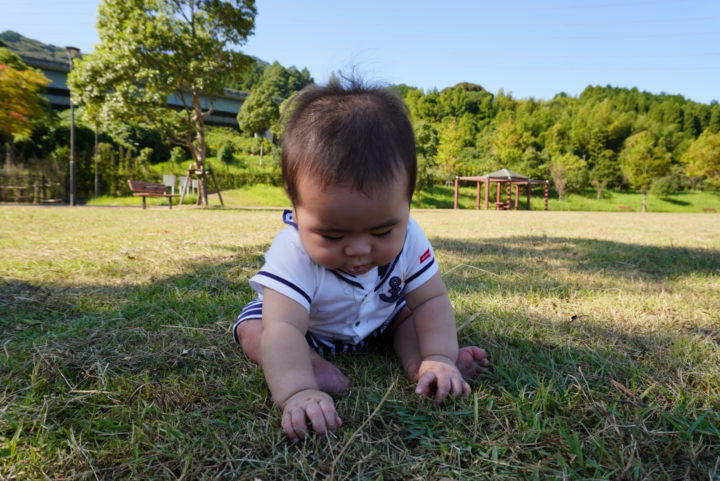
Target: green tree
point(151, 49)
point(449, 147)
point(714, 122)
point(514, 147)
point(569, 174)
point(605, 172)
point(258, 113)
point(427, 139)
point(284, 82)
point(642, 160)
point(703, 158)
point(249, 77)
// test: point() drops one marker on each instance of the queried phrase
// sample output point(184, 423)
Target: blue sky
point(530, 48)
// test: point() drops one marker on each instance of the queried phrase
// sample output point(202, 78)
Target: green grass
point(117, 360)
point(441, 197)
point(679, 202)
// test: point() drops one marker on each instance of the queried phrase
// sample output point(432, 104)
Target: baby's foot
point(329, 378)
point(472, 361)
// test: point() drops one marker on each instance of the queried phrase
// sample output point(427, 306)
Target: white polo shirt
point(344, 307)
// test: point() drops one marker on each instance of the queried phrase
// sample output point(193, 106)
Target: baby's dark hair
point(348, 133)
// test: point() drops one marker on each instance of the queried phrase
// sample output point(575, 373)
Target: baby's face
point(344, 229)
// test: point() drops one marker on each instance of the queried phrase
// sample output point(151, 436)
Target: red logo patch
point(425, 256)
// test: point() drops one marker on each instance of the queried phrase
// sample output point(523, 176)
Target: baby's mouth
point(358, 269)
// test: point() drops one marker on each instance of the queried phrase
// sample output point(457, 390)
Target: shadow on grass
point(150, 377)
point(591, 255)
point(674, 201)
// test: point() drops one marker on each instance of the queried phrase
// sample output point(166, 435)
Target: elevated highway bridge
point(226, 106)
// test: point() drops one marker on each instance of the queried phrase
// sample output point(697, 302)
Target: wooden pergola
point(510, 179)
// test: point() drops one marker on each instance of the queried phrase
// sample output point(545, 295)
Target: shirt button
point(357, 323)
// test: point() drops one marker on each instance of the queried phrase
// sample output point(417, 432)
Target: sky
point(530, 48)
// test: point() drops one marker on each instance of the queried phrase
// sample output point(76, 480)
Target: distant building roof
point(506, 174)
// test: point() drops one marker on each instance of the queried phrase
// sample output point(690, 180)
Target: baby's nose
point(358, 247)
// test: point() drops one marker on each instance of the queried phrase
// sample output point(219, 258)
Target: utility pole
point(72, 53)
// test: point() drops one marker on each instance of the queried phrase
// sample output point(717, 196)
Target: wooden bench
point(709, 209)
point(626, 207)
point(149, 189)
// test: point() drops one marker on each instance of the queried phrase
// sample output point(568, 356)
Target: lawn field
point(117, 361)
point(441, 197)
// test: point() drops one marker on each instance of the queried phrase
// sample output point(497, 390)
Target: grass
point(117, 361)
point(441, 197)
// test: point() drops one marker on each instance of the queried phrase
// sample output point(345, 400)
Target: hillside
point(28, 47)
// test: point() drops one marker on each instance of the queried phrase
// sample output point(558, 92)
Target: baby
point(351, 266)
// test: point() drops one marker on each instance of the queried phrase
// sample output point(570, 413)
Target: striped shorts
point(253, 310)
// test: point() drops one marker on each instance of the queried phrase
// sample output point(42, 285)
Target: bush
point(663, 187)
point(146, 154)
point(427, 173)
point(242, 177)
point(178, 155)
point(218, 137)
point(226, 153)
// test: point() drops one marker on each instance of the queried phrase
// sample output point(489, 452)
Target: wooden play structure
point(510, 179)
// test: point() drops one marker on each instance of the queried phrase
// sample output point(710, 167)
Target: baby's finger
point(460, 387)
point(424, 385)
point(317, 418)
point(287, 426)
point(443, 386)
point(331, 416)
point(457, 386)
point(296, 424)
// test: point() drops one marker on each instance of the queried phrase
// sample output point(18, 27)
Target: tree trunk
point(644, 201)
point(199, 148)
point(599, 189)
point(9, 163)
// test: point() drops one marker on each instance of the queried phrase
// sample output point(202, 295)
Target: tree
point(606, 171)
point(258, 113)
point(569, 174)
point(284, 82)
point(642, 160)
point(151, 49)
point(703, 158)
point(449, 147)
point(11, 59)
point(426, 143)
point(20, 98)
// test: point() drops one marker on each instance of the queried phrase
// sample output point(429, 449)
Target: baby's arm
point(437, 339)
point(288, 370)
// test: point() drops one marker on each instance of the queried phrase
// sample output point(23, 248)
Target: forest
point(606, 138)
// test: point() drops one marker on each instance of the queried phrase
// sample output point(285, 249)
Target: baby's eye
point(382, 234)
point(331, 238)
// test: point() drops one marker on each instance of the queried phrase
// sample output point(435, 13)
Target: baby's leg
point(329, 378)
point(471, 360)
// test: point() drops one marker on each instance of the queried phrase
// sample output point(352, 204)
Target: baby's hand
point(440, 372)
point(310, 405)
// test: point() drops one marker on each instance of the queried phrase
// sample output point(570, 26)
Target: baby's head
point(348, 134)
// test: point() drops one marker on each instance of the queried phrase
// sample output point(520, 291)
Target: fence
point(31, 188)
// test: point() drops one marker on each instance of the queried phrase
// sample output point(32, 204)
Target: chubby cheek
point(327, 259)
point(387, 251)
point(326, 256)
